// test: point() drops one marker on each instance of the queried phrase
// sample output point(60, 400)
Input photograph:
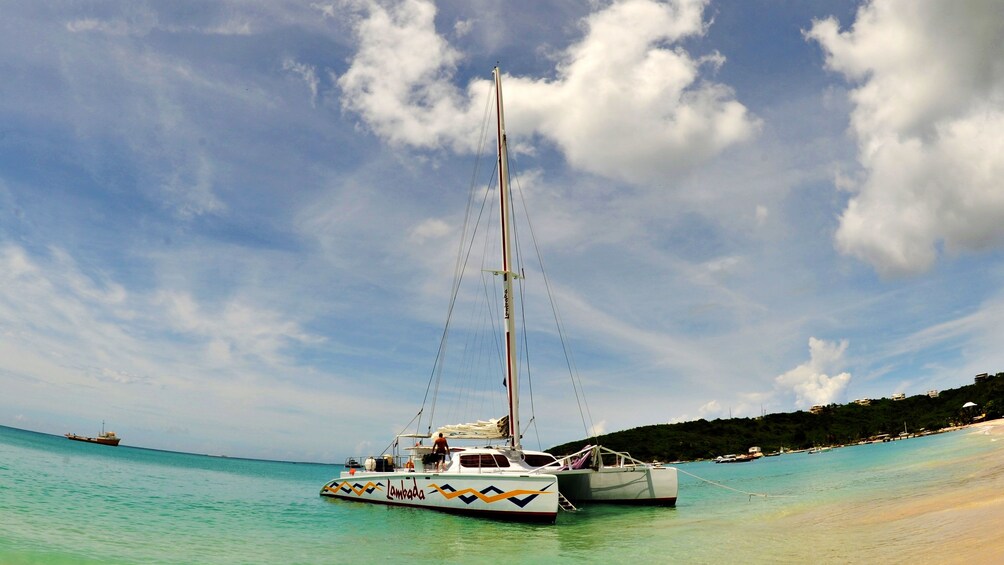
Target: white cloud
point(191, 188)
point(113, 27)
point(143, 20)
point(432, 228)
point(809, 382)
point(234, 328)
point(930, 128)
point(627, 103)
point(49, 300)
point(74, 340)
point(598, 429)
point(399, 79)
point(463, 27)
point(306, 72)
point(710, 408)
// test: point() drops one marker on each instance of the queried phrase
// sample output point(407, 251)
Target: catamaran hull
point(515, 498)
point(655, 486)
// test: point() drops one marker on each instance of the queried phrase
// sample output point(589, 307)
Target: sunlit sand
point(954, 518)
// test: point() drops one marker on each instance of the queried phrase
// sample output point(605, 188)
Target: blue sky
point(229, 227)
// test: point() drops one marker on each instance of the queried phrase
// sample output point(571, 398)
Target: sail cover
point(482, 429)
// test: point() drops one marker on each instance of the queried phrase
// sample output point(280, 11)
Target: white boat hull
point(640, 485)
point(514, 497)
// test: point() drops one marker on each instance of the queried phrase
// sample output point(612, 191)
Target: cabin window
point(483, 460)
point(538, 459)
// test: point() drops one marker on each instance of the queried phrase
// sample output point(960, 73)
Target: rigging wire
point(522, 301)
point(461, 262)
point(471, 226)
point(580, 394)
point(398, 434)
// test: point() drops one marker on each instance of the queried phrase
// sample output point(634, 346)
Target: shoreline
point(990, 427)
point(956, 521)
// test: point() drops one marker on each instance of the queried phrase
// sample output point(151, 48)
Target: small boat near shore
point(104, 438)
point(733, 458)
point(753, 454)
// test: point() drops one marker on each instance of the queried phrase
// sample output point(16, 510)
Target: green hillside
point(836, 424)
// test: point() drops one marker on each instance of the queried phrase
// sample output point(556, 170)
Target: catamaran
point(504, 480)
point(495, 482)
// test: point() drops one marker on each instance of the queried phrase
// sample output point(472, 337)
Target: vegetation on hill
point(836, 424)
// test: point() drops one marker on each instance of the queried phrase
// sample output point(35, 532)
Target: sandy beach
point(959, 521)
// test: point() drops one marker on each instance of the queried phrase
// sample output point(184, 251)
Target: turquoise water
point(72, 502)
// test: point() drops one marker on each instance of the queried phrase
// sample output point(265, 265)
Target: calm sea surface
point(926, 500)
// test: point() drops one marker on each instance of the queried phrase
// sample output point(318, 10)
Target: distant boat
point(818, 450)
point(104, 438)
point(733, 458)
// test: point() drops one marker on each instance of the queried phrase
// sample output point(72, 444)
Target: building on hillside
point(981, 377)
point(899, 396)
point(932, 393)
point(863, 401)
point(816, 408)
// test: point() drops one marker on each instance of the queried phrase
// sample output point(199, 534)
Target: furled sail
point(482, 429)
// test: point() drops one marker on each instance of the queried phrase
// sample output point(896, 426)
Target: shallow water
point(933, 499)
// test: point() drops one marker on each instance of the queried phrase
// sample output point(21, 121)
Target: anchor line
point(750, 494)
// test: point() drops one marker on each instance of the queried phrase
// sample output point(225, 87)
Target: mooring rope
point(749, 494)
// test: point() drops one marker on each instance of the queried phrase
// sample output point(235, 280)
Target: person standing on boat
point(440, 449)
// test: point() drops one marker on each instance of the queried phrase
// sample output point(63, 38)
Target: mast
point(512, 375)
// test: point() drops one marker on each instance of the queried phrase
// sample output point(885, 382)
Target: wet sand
point(957, 518)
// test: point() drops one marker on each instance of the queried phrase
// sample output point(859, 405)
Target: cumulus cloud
point(399, 79)
point(929, 122)
point(809, 382)
point(628, 102)
point(629, 106)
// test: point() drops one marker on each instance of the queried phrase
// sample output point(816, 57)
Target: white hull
point(642, 485)
point(491, 495)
